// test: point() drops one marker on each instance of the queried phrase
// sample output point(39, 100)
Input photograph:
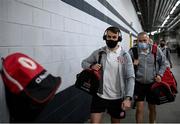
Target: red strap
point(154, 51)
point(154, 48)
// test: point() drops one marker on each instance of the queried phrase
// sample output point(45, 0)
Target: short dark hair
point(113, 29)
point(163, 41)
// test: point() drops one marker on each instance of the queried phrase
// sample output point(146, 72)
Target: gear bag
point(22, 75)
point(88, 79)
point(166, 90)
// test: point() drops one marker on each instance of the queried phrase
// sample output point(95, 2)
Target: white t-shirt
point(111, 78)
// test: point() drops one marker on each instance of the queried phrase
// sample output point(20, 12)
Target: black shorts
point(113, 107)
point(142, 92)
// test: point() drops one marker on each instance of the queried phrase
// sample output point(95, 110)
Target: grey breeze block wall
point(60, 33)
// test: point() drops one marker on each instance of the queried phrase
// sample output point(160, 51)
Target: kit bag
point(88, 79)
point(23, 75)
point(166, 90)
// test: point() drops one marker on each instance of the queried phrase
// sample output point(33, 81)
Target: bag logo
point(41, 77)
point(27, 63)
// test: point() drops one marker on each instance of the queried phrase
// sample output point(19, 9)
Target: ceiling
point(152, 14)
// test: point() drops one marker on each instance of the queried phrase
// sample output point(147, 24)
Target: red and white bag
point(20, 73)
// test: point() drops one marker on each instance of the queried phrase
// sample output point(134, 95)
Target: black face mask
point(162, 44)
point(111, 43)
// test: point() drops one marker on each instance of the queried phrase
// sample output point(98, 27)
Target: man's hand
point(96, 67)
point(126, 104)
point(136, 62)
point(158, 78)
point(170, 65)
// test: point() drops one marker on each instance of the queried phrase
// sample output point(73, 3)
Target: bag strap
point(100, 57)
point(167, 55)
point(154, 52)
point(135, 52)
point(135, 56)
point(14, 81)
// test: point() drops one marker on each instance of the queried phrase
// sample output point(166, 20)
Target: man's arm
point(161, 62)
point(168, 56)
point(130, 79)
point(129, 83)
point(86, 63)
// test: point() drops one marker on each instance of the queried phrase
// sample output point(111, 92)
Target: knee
point(140, 108)
point(152, 109)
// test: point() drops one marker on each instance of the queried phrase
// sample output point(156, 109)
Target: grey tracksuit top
point(127, 69)
point(146, 72)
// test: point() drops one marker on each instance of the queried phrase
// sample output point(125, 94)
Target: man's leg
point(139, 111)
point(115, 120)
point(98, 107)
point(96, 117)
point(115, 111)
point(152, 113)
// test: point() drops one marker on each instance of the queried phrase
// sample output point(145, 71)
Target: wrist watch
point(128, 98)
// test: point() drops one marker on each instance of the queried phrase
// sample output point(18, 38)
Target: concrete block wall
point(59, 33)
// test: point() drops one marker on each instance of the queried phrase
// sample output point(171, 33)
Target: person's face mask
point(143, 45)
point(111, 43)
point(162, 44)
